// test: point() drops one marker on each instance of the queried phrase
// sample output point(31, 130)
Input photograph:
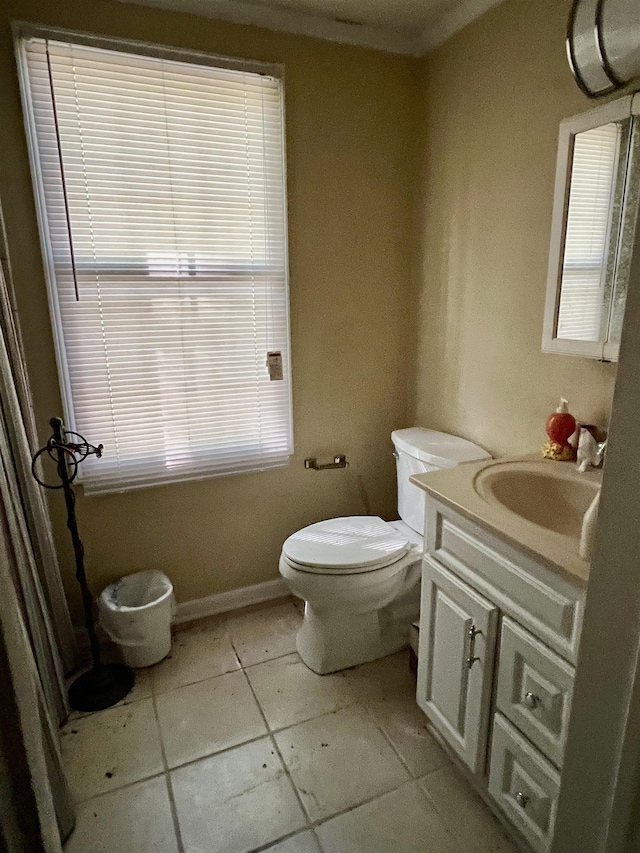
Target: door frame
point(601, 775)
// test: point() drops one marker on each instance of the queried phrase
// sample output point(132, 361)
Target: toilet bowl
point(355, 574)
point(359, 576)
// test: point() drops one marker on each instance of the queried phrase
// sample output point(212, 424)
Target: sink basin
point(550, 494)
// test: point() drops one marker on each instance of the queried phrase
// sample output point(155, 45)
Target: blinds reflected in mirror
point(589, 257)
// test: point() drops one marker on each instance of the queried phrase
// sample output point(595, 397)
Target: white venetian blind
point(584, 271)
point(163, 191)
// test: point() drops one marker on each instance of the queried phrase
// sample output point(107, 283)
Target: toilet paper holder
point(338, 462)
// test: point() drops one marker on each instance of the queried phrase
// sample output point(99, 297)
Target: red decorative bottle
point(560, 427)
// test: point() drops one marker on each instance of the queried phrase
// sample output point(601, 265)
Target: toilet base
point(332, 640)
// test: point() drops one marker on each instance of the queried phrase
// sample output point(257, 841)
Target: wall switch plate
point(274, 365)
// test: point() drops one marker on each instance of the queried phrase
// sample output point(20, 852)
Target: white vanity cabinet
point(499, 635)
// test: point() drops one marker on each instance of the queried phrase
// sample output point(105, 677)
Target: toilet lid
point(355, 542)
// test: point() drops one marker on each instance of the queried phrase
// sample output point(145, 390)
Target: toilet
point(359, 576)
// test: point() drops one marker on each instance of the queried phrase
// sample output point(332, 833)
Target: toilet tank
point(419, 450)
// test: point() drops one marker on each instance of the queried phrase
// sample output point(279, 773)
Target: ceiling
point(395, 14)
point(399, 26)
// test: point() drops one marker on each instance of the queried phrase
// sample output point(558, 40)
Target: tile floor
point(232, 745)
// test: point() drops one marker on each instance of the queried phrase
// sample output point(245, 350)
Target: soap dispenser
point(561, 425)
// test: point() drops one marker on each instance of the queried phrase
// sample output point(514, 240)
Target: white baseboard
point(223, 602)
point(199, 608)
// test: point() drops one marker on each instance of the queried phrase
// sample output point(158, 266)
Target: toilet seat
point(352, 544)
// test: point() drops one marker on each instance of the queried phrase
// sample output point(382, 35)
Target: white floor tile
point(235, 802)
point(402, 821)
point(111, 748)
point(141, 687)
point(206, 717)
point(264, 634)
point(464, 813)
point(136, 819)
point(304, 842)
point(339, 760)
point(198, 652)
point(288, 692)
point(382, 680)
point(388, 689)
point(242, 799)
point(405, 724)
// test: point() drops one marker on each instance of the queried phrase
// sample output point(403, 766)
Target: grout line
point(240, 666)
point(379, 727)
point(156, 693)
point(218, 752)
point(288, 773)
point(278, 752)
point(289, 835)
point(321, 820)
point(313, 824)
point(269, 660)
point(355, 704)
point(316, 838)
point(167, 776)
point(83, 800)
point(174, 813)
point(269, 732)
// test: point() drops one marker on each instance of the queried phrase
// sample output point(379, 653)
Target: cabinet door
point(455, 661)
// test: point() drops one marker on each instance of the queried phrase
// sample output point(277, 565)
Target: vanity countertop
point(456, 488)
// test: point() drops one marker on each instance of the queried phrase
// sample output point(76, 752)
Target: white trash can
point(136, 613)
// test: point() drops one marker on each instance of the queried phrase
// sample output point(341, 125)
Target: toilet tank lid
point(437, 448)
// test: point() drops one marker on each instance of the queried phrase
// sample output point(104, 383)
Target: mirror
point(595, 209)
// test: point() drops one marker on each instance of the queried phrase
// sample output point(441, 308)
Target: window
point(161, 190)
point(594, 216)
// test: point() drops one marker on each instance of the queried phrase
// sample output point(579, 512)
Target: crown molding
point(442, 26)
point(284, 20)
point(447, 24)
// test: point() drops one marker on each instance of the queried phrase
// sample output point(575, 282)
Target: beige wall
point(493, 97)
point(349, 140)
point(473, 130)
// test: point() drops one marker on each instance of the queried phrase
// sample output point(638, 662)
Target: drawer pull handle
point(531, 701)
point(472, 633)
point(521, 799)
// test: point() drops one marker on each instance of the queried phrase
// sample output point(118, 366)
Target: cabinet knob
point(531, 701)
point(521, 799)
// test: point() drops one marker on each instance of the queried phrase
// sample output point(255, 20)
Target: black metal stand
point(104, 684)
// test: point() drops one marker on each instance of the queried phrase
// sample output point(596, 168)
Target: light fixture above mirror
point(603, 44)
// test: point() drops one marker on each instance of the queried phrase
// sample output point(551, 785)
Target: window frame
point(614, 111)
point(23, 31)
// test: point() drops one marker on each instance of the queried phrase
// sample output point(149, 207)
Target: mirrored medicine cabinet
point(597, 192)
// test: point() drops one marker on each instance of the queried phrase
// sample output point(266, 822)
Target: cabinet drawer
point(523, 784)
point(535, 687)
point(531, 593)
